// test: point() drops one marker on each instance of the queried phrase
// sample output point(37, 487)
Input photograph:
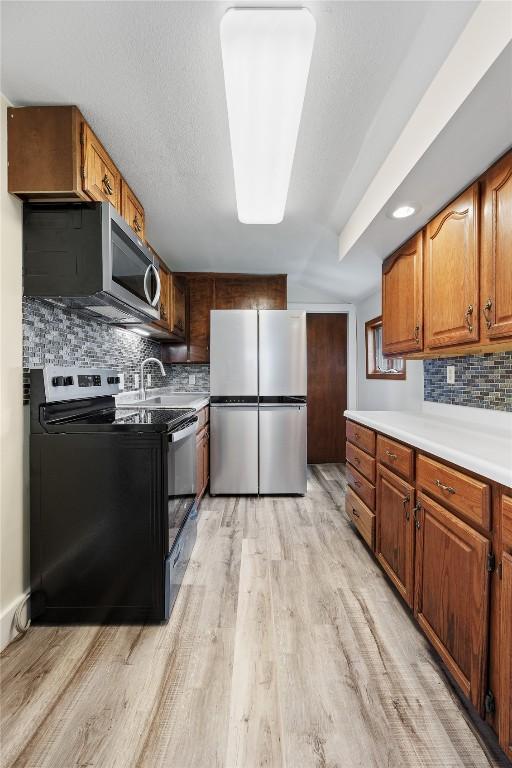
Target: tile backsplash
point(481, 381)
point(55, 336)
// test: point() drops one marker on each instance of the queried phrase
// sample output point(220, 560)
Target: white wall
point(13, 445)
point(375, 394)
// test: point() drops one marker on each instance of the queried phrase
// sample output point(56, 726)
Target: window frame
point(369, 327)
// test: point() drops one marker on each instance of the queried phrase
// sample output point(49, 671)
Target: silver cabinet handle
point(392, 456)
point(356, 514)
point(443, 487)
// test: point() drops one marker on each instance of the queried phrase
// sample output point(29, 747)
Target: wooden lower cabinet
point(452, 594)
point(505, 724)
point(395, 531)
point(202, 453)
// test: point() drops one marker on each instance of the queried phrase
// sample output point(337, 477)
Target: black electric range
point(113, 514)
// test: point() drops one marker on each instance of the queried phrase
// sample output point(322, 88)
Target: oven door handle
point(181, 434)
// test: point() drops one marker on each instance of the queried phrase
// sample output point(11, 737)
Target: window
point(378, 366)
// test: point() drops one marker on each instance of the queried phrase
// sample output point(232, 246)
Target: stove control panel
point(70, 383)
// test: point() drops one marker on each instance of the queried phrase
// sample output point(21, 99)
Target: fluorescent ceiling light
point(266, 53)
point(403, 212)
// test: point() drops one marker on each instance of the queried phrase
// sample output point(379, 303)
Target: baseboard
point(7, 630)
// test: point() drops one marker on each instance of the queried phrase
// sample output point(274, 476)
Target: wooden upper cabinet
point(101, 178)
point(505, 724)
point(178, 306)
point(251, 292)
point(165, 297)
point(496, 293)
point(44, 153)
point(402, 298)
point(132, 210)
point(452, 273)
point(200, 300)
point(452, 594)
point(395, 531)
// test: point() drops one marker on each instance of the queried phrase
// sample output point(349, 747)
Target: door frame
point(350, 311)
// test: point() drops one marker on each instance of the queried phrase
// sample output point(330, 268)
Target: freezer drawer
point(233, 449)
point(282, 449)
point(282, 352)
point(234, 352)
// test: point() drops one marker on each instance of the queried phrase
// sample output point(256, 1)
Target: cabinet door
point(451, 274)
point(178, 301)
point(452, 594)
point(251, 292)
point(496, 294)
point(165, 297)
point(102, 180)
point(505, 727)
point(395, 531)
point(206, 459)
point(199, 465)
point(132, 210)
point(200, 303)
point(402, 298)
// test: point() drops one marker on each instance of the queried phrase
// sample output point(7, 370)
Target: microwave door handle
point(153, 302)
point(158, 286)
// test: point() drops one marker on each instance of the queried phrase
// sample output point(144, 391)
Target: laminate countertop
point(479, 442)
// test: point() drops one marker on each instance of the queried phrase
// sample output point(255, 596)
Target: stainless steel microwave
point(85, 257)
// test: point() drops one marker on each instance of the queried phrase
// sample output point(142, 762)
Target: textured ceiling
point(148, 77)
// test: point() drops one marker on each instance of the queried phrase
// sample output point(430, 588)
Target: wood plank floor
point(287, 647)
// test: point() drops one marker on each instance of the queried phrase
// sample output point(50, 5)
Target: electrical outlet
point(192, 378)
point(136, 377)
point(450, 374)
point(121, 382)
point(149, 380)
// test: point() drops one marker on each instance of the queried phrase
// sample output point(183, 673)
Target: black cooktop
point(158, 419)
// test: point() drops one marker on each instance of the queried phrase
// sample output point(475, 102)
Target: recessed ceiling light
point(266, 53)
point(403, 211)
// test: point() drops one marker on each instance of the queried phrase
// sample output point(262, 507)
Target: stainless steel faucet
point(148, 360)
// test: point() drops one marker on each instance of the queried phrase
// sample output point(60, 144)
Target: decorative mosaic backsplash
point(55, 336)
point(481, 381)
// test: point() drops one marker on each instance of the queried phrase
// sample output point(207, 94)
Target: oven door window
point(130, 267)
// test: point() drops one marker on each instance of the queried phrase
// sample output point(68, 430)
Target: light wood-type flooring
point(287, 647)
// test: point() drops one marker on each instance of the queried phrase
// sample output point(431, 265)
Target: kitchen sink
point(176, 400)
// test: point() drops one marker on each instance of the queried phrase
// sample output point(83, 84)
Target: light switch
point(149, 380)
point(192, 378)
point(450, 374)
point(136, 377)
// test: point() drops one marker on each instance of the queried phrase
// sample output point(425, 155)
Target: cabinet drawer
point(361, 436)
point(360, 485)
point(506, 512)
point(396, 456)
point(362, 517)
point(361, 461)
point(469, 497)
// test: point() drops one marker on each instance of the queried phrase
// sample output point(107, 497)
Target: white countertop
point(472, 438)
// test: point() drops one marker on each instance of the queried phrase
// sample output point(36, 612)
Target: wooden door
point(395, 531)
point(505, 726)
point(402, 298)
point(327, 387)
point(132, 210)
point(452, 594)
point(451, 273)
point(165, 297)
point(496, 295)
point(200, 303)
point(102, 180)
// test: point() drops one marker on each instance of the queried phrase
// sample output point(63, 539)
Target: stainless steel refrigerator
point(258, 417)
